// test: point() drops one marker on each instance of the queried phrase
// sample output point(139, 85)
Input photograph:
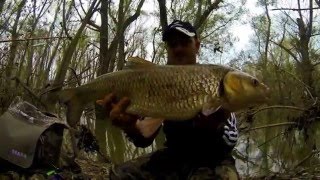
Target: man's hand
point(230, 134)
point(116, 110)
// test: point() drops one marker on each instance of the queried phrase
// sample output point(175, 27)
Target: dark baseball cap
point(181, 26)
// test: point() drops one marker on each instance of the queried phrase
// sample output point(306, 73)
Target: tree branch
point(309, 30)
point(292, 9)
point(313, 152)
point(163, 14)
point(64, 18)
point(134, 16)
point(31, 39)
point(287, 50)
point(316, 64)
point(278, 106)
point(29, 90)
point(206, 13)
point(272, 125)
point(318, 2)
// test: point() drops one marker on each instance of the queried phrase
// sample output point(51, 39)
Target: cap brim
point(184, 31)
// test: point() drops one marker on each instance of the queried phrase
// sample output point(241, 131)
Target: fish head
point(242, 90)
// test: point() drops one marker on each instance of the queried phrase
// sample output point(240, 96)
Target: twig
point(293, 9)
point(30, 39)
point(287, 50)
point(279, 106)
point(75, 76)
point(269, 140)
point(306, 158)
point(29, 90)
point(273, 125)
point(300, 81)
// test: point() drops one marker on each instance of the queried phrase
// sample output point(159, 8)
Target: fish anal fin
point(136, 62)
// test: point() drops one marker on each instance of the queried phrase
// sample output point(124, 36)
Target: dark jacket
point(199, 136)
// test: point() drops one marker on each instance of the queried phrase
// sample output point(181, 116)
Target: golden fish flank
point(169, 92)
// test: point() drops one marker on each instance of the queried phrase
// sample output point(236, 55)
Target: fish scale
point(169, 92)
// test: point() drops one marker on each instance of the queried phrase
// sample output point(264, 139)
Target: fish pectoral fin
point(136, 62)
point(211, 107)
point(149, 126)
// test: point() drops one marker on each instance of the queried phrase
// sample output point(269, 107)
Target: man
point(199, 148)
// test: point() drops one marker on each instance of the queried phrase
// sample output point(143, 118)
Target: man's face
point(182, 49)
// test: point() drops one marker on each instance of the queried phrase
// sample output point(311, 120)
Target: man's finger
point(119, 108)
point(122, 105)
point(109, 98)
point(123, 120)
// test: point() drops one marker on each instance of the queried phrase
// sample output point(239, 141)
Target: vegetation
point(46, 45)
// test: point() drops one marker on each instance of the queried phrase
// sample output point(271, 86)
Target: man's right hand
point(117, 111)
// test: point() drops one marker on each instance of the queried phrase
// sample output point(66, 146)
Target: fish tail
point(74, 106)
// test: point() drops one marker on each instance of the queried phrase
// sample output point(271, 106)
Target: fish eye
point(255, 82)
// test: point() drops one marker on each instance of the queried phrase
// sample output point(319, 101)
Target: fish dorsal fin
point(136, 62)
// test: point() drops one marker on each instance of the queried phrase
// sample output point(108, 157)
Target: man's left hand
point(230, 134)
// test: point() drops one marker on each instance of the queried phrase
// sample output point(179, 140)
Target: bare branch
point(65, 18)
point(90, 22)
point(32, 39)
point(29, 90)
point(278, 106)
point(290, 9)
point(74, 73)
point(318, 2)
point(299, 11)
point(272, 125)
point(287, 50)
point(313, 152)
point(309, 31)
point(316, 64)
point(206, 13)
point(134, 16)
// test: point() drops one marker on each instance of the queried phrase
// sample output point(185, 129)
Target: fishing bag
point(30, 138)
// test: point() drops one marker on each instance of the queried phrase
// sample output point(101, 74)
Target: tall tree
point(14, 44)
point(30, 44)
point(122, 23)
point(301, 46)
point(67, 56)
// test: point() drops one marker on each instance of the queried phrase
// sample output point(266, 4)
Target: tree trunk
point(265, 60)
point(1, 5)
point(121, 27)
point(305, 67)
point(104, 40)
point(122, 55)
point(163, 14)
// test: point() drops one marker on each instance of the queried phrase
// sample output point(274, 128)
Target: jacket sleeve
point(224, 124)
point(138, 139)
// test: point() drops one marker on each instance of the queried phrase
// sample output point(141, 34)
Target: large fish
point(175, 92)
